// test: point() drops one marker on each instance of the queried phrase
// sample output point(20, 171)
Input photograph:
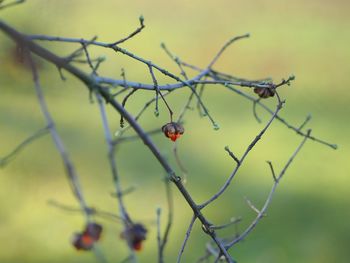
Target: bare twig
point(252, 206)
point(91, 210)
point(227, 44)
point(170, 206)
point(272, 171)
point(233, 221)
point(138, 30)
point(279, 118)
point(307, 119)
point(73, 177)
point(9, 157)
point(269, 198)
point(159, 241)
point(187, 236)
point(233, 156)
point(254, 111)
point(249, 148)
point(70, 169)
point(123, 104)
point(111, 156)
point(156, 87)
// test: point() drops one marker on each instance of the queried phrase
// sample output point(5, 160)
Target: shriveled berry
point(173, 130)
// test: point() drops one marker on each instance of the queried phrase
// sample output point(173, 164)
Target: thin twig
point(254, 111)
point(187, 236)
point(227, 44)
point(159, 241)
point(175, 59)
point(170, 206)
point(272, 171)
point(123, 104)
point(156, 87)
point(91, 210)
point(233, 221)
point(9, 157)
point(233, 156)
point(249, 148)
point(269, 198)
point(70, 169)
point(279, 118)
point(138, 30)
point(252, 206)
point(307, 119)
point(111, 157)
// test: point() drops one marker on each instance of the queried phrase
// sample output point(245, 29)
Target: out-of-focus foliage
point(308, 219)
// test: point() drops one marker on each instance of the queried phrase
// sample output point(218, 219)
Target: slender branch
point(175, 59)
point(156, 87)
point(279, 118)
point(227, 44)
point(233, 156)
point(159, 241)
point(191, 82)
point(249, 148)
point(123, 104)
point(233, 221)
point(252, 206)
point(307, 119)
point(138, 30)
point(91, 210)
point(187, 236)
point(170, 204)
point(111, 156)
point(269, 198)
point(254, 111)
point(70, 169)
point(9, 157)
point(272, 171)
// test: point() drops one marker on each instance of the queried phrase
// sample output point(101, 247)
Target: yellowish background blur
point(308, 220)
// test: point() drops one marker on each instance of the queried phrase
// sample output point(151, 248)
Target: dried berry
point(173, 130)
point(265, 92)
point(94, 230)
point(86, 239)
point(82, 241)
point(135, 234)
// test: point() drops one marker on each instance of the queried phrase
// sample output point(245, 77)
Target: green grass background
point(308, 220)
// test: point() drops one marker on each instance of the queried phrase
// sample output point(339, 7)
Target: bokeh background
point(308, 220)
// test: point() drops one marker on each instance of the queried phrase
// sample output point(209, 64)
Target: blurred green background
point(308, 220)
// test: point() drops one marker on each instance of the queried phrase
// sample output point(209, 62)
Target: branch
point(187, 236)
point(111, 157)
point(70, 169)
point(170, 204)
point(92, 84)
point(231, 41)
point(240, 161)
point(9, 157)
point(269, 198)
point(279, 118)
point(138, 30)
